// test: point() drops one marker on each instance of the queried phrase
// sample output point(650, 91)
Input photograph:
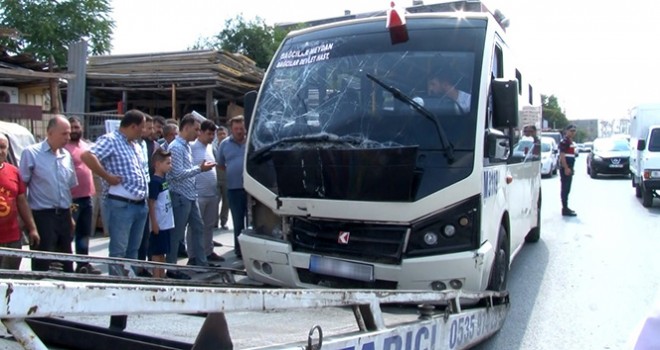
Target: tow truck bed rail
point(34, 301)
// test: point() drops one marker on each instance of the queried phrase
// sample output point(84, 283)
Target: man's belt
point(127, 200)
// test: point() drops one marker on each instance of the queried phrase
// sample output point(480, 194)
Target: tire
point(638, 188)
point(592, 173)
point(499, 272)
point(535, 233)
point(647, 198)
point(554, 171)
point(588, 170)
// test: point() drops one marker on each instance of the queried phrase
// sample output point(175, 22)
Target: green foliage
point(254, 39)
point(48, 27)
point(580, 136)
point(553, 113)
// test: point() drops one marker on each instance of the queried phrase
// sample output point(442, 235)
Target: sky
point(598, 60)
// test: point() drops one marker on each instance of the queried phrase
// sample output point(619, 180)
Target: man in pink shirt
point(82, 195)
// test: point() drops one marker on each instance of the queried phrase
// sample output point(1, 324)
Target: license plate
point(341, 268)
point(616, 165)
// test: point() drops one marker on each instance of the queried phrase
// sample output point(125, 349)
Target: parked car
point(524, 149)
point(609, 156)
point(588, 146)
point(549, 155)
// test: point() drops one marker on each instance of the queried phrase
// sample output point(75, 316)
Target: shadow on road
point(525, 279)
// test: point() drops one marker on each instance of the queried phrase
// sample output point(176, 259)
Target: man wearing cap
point(567, 161)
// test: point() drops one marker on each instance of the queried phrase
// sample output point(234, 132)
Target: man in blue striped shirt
point(184, 194)
point(117, 159)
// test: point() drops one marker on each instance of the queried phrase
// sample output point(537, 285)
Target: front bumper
point(606, 167)
point(652, 184)
point(286, 268)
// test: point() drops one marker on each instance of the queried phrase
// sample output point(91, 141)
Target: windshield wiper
point(444, 141)
point(264, 151)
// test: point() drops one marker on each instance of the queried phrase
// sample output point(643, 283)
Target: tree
point(254, 39)
point(48, 27)
point(552, 113)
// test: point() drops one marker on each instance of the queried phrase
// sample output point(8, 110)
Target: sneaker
point(177, 275)
point(56, 266)
point(568, 212)
point(88, 269)
point(217, 244)
point(214, 257)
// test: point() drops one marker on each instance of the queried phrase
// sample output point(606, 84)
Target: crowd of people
point(166, 185)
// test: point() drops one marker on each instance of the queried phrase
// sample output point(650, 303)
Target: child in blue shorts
point(160, 210)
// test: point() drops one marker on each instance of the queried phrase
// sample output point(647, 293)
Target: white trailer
point(645, 151)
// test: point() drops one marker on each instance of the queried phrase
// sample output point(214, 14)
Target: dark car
point(609, 156)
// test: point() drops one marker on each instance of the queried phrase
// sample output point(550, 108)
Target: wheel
point(499, 272)
point(638, 188)
point(588, 170)
point(535, 233)
point(592, 173)
point(647, 197)
point(554, 171)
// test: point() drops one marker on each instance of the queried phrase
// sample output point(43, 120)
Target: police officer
point(567, 160)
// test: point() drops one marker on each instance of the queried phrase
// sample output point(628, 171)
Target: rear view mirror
point(249, 99)
point(505, 103)
point(641, 145)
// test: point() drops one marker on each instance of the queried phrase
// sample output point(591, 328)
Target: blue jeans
point(186, 214)
point(83, 218)
point(126, 226)
point(238, 206)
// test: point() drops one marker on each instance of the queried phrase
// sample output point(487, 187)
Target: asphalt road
point(591, 279)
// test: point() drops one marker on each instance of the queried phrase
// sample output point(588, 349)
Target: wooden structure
point(25, 94)
point(171, 84)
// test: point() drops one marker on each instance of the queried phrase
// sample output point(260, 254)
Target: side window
point(654, 141)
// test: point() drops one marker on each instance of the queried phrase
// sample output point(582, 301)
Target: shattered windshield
point(336, 89)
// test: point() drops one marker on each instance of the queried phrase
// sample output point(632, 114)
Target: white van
point(645, 153)
point(19, 138)
point(360, 177)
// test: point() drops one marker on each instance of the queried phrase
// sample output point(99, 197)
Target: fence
point(94, 123)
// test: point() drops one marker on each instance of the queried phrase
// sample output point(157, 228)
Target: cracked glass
point(345, 114)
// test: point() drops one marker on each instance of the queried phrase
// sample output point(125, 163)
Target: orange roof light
point(396, 24)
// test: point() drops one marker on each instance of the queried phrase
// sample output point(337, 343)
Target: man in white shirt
point(443, 84)
point(207, 189)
